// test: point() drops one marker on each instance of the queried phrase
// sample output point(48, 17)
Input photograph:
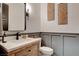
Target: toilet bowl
point(46, 51)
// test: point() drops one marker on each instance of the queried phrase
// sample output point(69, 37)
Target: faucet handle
point(4, 34)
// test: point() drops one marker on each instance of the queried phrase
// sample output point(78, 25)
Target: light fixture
point(28, 9)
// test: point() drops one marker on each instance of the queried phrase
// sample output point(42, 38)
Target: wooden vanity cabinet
point(32, 50)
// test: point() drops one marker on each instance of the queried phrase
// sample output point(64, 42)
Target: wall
point(52, 26)
point(33, 24)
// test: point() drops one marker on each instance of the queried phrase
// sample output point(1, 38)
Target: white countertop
point(13, 44)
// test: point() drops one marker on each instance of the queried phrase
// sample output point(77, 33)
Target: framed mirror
point(5, 15)
point(13, 17)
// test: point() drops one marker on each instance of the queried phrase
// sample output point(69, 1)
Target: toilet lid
point(46, 48)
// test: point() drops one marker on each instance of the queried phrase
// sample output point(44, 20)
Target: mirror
point(5, 9)
point(0, 19)
point(13, 17)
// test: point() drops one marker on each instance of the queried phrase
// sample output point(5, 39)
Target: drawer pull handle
point(29, 50)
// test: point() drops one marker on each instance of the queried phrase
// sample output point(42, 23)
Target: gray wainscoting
point(54, 41)
point(64, 44)
point(34, 35)
point(71, 45)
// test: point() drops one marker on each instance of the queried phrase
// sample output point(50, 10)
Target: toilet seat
point(46, 50)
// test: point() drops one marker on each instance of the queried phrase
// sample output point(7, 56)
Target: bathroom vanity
point(21, 47)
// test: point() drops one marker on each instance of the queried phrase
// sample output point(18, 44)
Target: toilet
point(46, 51)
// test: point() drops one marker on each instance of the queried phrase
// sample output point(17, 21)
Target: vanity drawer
point(21, 53)
point(30, 51)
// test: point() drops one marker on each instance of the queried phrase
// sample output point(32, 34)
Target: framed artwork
point(62, 14)
point(51, 11)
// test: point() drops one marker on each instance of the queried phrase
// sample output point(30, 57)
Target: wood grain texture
point(51, 11)
point(62, 14)
point(31, 51)
point(26, 50)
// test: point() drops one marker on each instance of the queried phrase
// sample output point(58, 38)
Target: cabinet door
point(16, 16)
point(57, 45)
point(46, 40)
point(71, 45)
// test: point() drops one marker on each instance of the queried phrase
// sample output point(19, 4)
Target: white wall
point(52, 26)
point(33, 24)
